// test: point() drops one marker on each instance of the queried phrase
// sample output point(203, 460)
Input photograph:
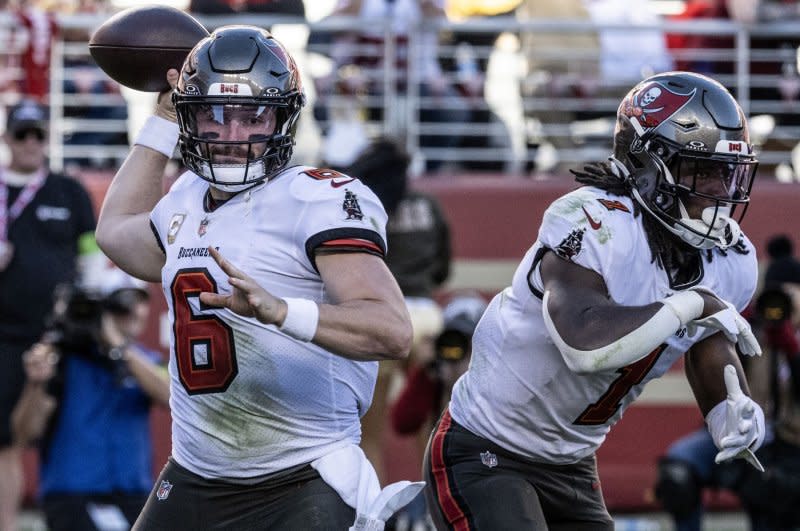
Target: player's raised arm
point(123, 228)
point(136, 47)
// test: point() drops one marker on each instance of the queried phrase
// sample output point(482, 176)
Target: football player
point(643, 264)
point(278, 296)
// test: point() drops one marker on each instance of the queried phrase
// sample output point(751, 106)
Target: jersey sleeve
point(580, 228)
point(339, 214)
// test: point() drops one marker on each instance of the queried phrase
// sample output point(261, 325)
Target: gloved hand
point(736, 424)
point(730, 322)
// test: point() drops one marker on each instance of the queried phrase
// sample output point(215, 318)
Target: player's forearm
point(364, 330)
point(137, 186)
point(704, 367)
point(123, 227)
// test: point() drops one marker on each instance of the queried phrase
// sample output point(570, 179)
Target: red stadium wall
point(494, 219)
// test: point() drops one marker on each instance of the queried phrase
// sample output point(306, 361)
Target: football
point(137, 46)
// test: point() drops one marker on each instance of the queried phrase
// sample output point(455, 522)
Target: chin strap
point(230, 178)
point(715, 228)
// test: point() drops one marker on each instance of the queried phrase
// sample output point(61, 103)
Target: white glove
point(736, 424)
point(730, 322)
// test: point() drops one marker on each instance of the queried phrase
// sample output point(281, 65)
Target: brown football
point(137, 46)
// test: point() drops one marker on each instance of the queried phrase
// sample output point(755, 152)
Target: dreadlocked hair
point(665, 251)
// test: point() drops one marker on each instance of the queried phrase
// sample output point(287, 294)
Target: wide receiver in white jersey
point(279, 300)
point(639, 266)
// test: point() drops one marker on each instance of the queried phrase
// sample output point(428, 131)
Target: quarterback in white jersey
point(247, 399)
point(638, 267)
point(279, 300)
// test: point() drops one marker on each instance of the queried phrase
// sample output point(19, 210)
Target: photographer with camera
point(46, 238)
point(428, 387)
point(86, 402)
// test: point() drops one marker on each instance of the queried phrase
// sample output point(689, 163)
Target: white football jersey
point(248, 400)
point(518, 391)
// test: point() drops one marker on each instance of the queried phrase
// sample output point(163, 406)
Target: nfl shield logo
point(163, 490)
point(489, 459)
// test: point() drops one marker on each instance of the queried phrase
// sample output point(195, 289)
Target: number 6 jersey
point(246, 399)
point(519, 392)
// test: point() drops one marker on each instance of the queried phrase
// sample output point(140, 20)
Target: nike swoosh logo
point(592, 223)
point(337, 184)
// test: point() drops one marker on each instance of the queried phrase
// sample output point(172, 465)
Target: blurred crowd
point(468, 96)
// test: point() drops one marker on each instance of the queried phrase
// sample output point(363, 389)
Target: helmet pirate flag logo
point(654, 104)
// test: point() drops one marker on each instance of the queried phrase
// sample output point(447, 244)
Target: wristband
point(687, 305)
point(158, 134)
point(302, 318)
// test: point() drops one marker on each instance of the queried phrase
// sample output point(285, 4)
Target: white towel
point(349, 472)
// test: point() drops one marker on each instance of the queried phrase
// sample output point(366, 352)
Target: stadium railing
point(506, 132)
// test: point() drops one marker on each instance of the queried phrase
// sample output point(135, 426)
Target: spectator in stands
point(87, 81)
point(467, 64)
point(606, 300)
point(86, 404)
point(689, 48)
point(359, 65)
point(92, 97)
point(783, 267)
point(428, 386)
point(777, 90)
point(37, 29)
point(419, 255)
point(46, 228)
point(232, 7)
point(552, 80)
point(621, 63)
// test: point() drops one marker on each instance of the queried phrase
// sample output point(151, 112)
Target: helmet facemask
point(695, 195)
point(235, 144)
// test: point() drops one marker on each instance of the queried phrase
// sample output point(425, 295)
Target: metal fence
point(495, 94)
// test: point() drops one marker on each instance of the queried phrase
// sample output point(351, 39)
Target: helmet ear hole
point(645, 182)
point(664, 201)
